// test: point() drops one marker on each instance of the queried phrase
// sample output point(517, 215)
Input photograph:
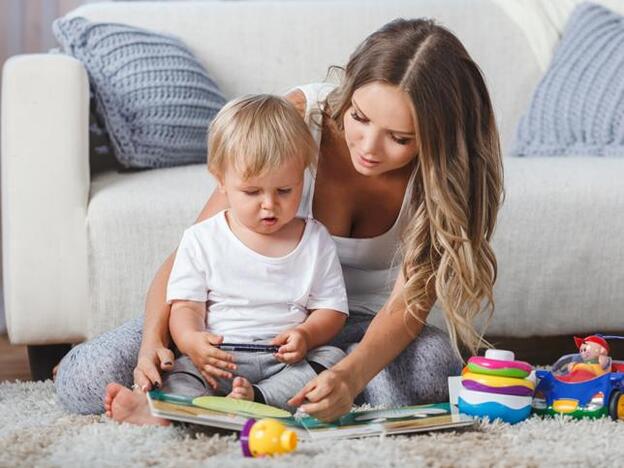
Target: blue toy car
point(574, 388)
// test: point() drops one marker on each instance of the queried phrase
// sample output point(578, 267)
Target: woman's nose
point(370, 141)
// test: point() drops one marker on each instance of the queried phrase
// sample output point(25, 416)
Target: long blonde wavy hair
point(458, 187)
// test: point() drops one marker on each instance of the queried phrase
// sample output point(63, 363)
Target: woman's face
point(379, 129)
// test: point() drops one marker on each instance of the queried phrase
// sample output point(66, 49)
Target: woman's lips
point(367, 162)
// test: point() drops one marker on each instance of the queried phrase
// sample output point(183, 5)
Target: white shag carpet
point(35, 431)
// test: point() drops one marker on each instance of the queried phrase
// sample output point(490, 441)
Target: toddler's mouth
point(269, 220)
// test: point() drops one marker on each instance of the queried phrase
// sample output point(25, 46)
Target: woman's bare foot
point(125, 405)
point(242, 389)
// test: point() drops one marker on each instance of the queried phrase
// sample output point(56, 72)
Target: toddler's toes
point(242, 389)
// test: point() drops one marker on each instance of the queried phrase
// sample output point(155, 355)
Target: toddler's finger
point(216, 353)
point(291, 356)
point(210, 379)
point(280, 339)
point(215, 371)
point(221, 364)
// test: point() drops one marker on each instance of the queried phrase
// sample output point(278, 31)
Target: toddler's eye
point(284, 191)
point(251, 193)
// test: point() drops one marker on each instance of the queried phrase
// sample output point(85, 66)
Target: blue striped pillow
point(155, 98)
point(578, 107)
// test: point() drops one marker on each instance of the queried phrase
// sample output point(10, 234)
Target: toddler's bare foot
point(242, 389)
point(112, 389)
point(124, 405)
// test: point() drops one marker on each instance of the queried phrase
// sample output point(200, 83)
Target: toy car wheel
point(616, 405)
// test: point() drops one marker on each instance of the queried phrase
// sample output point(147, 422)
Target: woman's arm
point(331, 394)
point(154, 354)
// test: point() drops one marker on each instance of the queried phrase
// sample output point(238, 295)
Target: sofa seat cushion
point(560, 256)
point(135, 220)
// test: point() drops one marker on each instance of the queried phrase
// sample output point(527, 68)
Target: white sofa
point(80, 249)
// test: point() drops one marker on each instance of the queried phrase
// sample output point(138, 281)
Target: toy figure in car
point(594, 352)
point(586, 384)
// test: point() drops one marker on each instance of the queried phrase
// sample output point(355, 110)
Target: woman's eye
point(358, 117)
point(401, 141)
point(284, 191)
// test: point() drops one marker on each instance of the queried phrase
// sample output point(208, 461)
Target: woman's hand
point(209, 360)
point(152, 360)
point(326, 397)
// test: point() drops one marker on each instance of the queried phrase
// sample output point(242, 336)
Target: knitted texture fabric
point(578, 107)
point(155, 98)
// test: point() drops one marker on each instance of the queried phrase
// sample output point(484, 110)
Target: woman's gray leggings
point(418, 375)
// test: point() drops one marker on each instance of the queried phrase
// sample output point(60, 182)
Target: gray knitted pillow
point(578, 107)
point(155, 98)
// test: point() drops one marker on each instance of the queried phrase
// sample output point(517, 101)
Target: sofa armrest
point(45, 189)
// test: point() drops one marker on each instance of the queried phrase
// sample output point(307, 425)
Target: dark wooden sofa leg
point(43, 358)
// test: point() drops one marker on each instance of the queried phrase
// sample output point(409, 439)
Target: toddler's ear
point(220, 183)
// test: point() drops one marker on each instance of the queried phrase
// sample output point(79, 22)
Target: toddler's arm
point(187, 318)
point(321, 326)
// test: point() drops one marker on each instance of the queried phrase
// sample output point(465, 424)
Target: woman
point(409, 182)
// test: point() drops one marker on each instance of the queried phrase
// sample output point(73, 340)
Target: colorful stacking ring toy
point(497, 386)
point(484, 365)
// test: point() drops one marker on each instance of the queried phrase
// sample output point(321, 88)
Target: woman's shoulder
point(309, 97)
point(298, 99)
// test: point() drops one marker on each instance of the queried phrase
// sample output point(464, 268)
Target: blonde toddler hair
point(256, 133)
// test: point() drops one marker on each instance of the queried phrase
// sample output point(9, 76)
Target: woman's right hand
point(211, 362)
point(328, 396)
point(152, 360)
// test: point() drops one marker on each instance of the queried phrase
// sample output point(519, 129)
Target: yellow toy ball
point(267, 437)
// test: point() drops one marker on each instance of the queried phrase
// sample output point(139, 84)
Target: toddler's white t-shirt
point(251, 296)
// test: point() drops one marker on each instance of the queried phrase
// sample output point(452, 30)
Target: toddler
point(256, 273)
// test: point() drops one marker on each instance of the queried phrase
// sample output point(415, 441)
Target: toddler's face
point(265, 203)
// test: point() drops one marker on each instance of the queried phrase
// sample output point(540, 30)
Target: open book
point(232, 414)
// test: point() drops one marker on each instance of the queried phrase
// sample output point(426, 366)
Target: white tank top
point(370, 265)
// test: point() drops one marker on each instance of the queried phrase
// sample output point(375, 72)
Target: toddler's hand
point(209, 360)
point(293, 346)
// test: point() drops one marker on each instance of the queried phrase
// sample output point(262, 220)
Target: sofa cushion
point(155, 98)
point(134, 221)
point(578, 107)
point(558, 242)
